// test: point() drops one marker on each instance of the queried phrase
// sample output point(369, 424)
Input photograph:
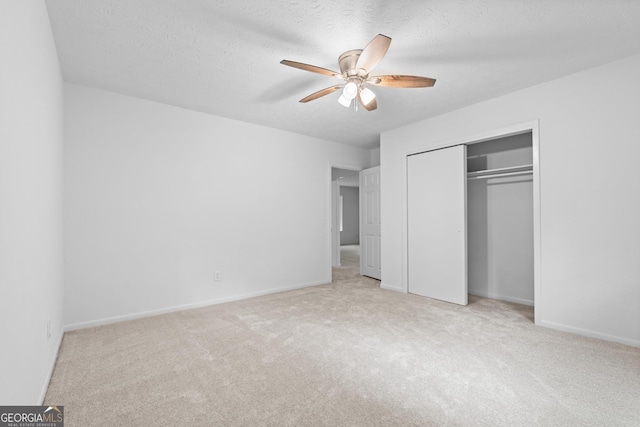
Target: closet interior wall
point(500, 219)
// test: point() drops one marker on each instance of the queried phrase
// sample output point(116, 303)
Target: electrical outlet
point(217, 276)
point(48, 329)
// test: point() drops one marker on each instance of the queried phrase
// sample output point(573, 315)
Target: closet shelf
point(499, 172)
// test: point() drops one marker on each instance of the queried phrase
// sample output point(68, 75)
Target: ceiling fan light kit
point(355, 67)
point(350, 90)
point(344, 101)
point(367, 95)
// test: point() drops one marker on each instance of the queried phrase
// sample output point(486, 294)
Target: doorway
point(349, 220)
point(345, 210)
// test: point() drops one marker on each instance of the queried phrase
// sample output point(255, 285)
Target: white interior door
point(437, 224)
point(370, 223)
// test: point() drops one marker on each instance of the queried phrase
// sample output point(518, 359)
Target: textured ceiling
point(222, 57)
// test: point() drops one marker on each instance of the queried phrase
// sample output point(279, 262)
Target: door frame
point(516, 129)
point(331, 209)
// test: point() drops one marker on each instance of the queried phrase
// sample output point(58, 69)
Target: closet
point(470, 221)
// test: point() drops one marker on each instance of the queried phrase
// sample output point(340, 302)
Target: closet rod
point(500, 170)
point(500, 175)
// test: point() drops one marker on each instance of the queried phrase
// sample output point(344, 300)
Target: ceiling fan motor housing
point(348, 61)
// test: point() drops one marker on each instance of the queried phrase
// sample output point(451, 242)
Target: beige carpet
point(344, 354)
point(350, 256)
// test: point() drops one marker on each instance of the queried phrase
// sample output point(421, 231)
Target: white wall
point(375, 157)
point(590, 193)
point(30, 202)
point(158, 198)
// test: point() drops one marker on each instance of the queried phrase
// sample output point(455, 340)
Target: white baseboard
point(590, 334)
point(139, 315)
point(390, 288)
point(494, 295)
point(52, 366)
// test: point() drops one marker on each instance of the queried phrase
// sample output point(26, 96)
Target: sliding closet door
point(437, 224)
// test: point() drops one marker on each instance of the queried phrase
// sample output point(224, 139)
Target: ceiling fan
point(355, 67)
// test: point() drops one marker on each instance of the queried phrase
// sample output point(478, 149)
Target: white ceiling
point(222, 56)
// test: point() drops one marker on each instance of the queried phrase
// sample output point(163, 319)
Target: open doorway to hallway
point(346, 215)
point(349, 222)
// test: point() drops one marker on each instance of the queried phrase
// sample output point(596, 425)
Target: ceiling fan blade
point(401, 81)
point(311, 68)
point(320, 93)
point(372, 105)
point(373, 53)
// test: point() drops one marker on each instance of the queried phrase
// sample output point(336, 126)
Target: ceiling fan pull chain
point(355, 105)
